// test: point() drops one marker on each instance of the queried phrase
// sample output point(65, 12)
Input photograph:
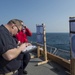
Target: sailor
point(9, 52)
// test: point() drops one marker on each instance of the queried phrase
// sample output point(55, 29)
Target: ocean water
point(58, 40)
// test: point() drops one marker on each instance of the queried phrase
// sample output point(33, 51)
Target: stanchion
point(72, 67)
point(72, 44)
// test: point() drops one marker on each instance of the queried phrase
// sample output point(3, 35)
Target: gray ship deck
point(50, 68)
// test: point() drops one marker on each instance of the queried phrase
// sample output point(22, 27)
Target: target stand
point(41, 39)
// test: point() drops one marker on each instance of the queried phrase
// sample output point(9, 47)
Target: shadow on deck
point(50, 68)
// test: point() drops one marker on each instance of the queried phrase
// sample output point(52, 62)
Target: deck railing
point(59, 52)
point(56, 51)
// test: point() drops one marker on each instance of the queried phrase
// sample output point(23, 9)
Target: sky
point(54, 13)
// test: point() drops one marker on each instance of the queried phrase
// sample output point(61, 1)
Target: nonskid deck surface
point(50, 68)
